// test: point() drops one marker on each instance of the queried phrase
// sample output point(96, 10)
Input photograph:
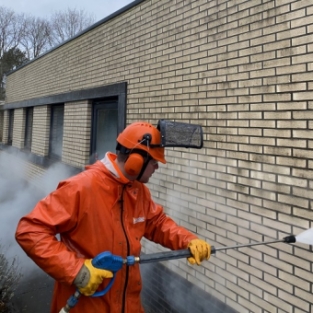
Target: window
point(56, 131)
point(1, 125)
point(104, 128)
point(28, 129)
point(10, 131)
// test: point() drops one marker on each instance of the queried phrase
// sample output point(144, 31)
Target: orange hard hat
point(142, 136)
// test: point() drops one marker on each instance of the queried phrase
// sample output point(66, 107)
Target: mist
point(18, 196)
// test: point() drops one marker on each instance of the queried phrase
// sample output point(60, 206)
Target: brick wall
point(77, 133)
point(41, 130)
point(19, 128)
point(5, 129)
point(243, 70)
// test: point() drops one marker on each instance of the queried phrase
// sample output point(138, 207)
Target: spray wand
point(106, 260)
point(185, 253)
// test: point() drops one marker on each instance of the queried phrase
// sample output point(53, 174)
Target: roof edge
point(93, 26)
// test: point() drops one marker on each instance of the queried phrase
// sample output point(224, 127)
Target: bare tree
point(11, 26)
point(36, 36)
point(24, 38)
point(67, 24)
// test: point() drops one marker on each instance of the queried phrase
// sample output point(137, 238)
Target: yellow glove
point(200, 250)
point(89, 278)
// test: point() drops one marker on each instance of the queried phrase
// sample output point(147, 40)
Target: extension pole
point(185, 253)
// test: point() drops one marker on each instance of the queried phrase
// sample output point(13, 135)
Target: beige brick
point(276, 187)
point(280, 282)
point(302, 173)
point(293, 200)
point(285, 161)
point(237, 306)
point(259, 211)
point(19, 128)
point(242, 69)
point(278, 302)
point(302, 4)
point(232, 206)
point(260, 193)
point(263, 176)
point(250, 115)
point(249, 182)
point(277, 97)
point(239, 291)
point(293, 143)
point(252, 307)
point(277, 151)
point(292, 279)
point(301, 153)
point(262, 141)
point(302, 134)
point(303, 95)
point(280, 264)
point(41, 130)
point(302, 192)
point(295, 300)
point(261, 302)
point(306, 214)
point(302, 274)
point(292, 181)
point(250, 148)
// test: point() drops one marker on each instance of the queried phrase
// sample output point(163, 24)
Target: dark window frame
point(54, 110)
point(29, 114)
point(10, 127)
point(109, 104)
point(118, 90)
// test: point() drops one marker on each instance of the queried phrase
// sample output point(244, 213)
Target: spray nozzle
point(290, 239)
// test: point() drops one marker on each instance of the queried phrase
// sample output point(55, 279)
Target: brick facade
point(5, 132)
point(40, 135)
point(77, 133)
point(19, 128)
point(241, 69)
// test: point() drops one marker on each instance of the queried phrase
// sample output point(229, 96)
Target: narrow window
point(56, 131)
point(10, 131)
point(1, 125)
point(104, 128)
point(28, 129)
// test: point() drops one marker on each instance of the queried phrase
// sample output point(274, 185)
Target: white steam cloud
point(18, 196)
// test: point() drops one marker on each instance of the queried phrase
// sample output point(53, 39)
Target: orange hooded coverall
point(96, 211)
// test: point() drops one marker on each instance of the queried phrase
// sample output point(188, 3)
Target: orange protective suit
point(97, 210)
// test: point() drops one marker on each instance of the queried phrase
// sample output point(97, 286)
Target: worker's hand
point(89, 278)
point(200, 251)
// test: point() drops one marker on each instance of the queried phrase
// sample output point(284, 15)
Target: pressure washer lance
point(106, 260)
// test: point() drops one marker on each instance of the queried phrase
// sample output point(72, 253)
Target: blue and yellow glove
point(89, 278)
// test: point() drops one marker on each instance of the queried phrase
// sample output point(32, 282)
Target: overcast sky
point(43, 8)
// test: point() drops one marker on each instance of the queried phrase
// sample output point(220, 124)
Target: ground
point(34, 293)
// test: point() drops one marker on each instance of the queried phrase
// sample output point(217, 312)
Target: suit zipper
point(128, 250)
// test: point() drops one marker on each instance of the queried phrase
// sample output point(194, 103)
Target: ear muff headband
point(147, 160)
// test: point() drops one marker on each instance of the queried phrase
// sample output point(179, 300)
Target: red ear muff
point(134, 164)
